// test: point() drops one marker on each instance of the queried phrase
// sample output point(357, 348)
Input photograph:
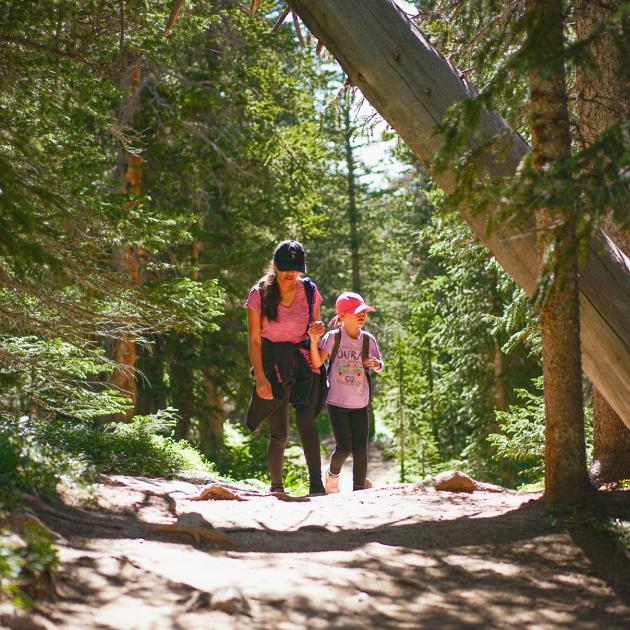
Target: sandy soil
point(395, 557)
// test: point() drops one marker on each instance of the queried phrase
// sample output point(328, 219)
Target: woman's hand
point(316, 330)
point(263, 388)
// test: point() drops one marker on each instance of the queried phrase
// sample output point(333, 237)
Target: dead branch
point(281, 20)
point(176, 7)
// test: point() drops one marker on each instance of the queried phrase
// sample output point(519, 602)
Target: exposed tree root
point(170, 501)
point(287, 498)
point(196, 526)
point(18, 522)
point(609, 469)
point(70, 515)
point(218, 492)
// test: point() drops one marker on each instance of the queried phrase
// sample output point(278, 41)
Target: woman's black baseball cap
point(290, 256)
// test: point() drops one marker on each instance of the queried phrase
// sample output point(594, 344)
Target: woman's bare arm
point(254, 346)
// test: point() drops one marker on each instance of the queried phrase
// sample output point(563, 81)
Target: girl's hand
point(372, 362)
point(316, 330)
point(263, 388)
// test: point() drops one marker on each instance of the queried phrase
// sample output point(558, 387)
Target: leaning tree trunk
point(412, 86)
point(603, 100)
point(126, 259)
point(353, 211)
point(565, 453)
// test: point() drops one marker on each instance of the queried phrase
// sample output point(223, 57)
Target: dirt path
point(395, 557)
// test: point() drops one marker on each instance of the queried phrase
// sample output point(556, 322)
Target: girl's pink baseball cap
point(349, 302)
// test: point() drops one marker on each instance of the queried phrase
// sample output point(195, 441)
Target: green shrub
point(36, 456)
point(522, 438)
point(27, 464)
point(24, 562)
point(144, 446)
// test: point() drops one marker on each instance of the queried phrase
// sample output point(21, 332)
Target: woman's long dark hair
point(269, 293)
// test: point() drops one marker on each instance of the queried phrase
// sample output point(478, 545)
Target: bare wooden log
point(412, 86)
point(603, 100)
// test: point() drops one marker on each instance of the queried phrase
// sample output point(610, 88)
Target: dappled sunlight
point(396, 557)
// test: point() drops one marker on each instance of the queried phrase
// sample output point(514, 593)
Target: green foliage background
point(244, 139)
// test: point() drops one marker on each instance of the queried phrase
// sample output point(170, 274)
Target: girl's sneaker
point(332, 482)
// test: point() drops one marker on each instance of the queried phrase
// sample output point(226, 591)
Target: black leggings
point(350, 427)
point(279, 427)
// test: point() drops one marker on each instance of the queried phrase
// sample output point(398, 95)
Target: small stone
point(231, 601)
point(198, 600)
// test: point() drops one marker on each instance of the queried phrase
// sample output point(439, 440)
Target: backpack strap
point(365, 348)
point(335, 348)
point(309, 289)
point(365, 354)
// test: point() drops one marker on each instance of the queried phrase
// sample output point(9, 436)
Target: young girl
point(348, 394)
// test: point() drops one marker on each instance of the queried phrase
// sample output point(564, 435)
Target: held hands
point(263, 388)
point(316, 330)
point(372, 362)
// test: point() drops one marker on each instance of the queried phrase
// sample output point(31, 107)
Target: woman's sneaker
point(366, 486)
point(332, 483)
point(316, 490)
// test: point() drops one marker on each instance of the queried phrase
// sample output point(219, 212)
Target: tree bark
point(603, 100)
point(211, 433)
point(565, 453)
point(126, 258)
point(151, 387)
point(500, 390)
point(611, 444)
point(411, 85)
point(182, 385)
point(183, 358)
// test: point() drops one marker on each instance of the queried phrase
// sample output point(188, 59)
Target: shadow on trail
point(608, 557)
point(520, 566)
point(449, 574)
point(525, 522)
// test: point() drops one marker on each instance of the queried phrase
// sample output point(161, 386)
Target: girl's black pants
point(350, 428)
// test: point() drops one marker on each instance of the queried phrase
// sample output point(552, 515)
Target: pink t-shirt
point(292, 320)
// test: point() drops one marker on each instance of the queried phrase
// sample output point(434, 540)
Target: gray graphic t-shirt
point(348, 384)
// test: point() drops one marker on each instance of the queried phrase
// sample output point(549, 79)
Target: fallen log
point(412, 86)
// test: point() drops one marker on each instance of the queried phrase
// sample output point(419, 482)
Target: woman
point(281, 310)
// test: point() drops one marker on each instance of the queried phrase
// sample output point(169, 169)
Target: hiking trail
point(392, 557)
